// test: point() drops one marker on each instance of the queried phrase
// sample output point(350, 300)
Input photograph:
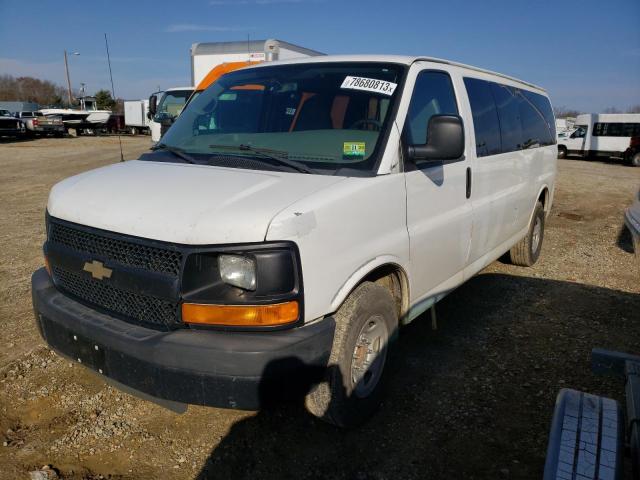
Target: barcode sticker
point(369, 85)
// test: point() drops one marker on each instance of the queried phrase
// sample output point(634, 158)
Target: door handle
point(468, 182)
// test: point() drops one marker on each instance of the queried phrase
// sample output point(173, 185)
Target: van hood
point(181, 203)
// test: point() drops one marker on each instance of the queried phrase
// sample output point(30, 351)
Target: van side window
point(535, 131)
point(616, 129)
point(508, 106)
point(432, 95)
point(485, 117)
point(544, 107)
point(580, 132)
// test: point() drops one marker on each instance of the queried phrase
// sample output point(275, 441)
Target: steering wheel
point(365, 121)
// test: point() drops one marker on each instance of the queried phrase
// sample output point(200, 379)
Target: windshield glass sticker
point(353, 149)
point(369, 85)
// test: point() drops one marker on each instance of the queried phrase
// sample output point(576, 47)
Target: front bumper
point(48, 129)
point(243, 370)
point(10, 132)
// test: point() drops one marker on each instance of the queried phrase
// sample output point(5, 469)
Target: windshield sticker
point(369, 85)
point(353, 149)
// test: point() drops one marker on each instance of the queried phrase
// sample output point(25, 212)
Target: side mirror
point(153, 105)
point(445, 140)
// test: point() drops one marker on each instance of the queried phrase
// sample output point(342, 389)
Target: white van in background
point(295, 215)
point(600, 135)
point(165, 108)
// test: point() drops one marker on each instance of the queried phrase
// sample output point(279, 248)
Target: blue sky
point(586, 54)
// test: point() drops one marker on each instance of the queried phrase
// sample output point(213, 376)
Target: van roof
point(401, 59)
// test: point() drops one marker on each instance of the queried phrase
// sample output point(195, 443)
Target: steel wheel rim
point(537, 233)
point(369, 355)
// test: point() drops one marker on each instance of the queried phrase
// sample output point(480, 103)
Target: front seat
point(315, 114)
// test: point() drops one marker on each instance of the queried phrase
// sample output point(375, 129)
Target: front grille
point(137, 306)
point(155, 259)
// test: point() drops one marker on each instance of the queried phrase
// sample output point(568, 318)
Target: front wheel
point(562, 151)
point(635, 160)
point(366, 325)
point(526, 252)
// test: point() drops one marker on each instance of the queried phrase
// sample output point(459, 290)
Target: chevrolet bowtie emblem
point(97, 270)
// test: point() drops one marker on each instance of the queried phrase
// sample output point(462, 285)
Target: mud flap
point(587, 438)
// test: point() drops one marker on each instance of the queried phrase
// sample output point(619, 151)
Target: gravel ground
point(473, 399)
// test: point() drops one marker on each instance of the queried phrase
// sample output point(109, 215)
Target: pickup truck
point(10, 126)
point(37, 123)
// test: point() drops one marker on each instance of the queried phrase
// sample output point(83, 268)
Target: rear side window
point(508, 104)
point(535, 131)
point(485, 117)
point(616, 129)
point(432, 95)
point(507, 119)
point(542, 104)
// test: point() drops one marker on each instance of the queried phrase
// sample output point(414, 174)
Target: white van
point(293, 218)
point(600, 135)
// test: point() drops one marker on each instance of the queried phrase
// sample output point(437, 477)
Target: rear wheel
point(526, 252)
point(562, 151)
point(134, 131)
point(365, 327)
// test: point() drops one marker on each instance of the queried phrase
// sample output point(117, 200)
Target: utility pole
point(66, 67)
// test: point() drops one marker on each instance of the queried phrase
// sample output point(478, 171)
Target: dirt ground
point(473, 399)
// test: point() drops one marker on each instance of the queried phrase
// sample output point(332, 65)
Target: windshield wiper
point(178, 152)
point(267, 153)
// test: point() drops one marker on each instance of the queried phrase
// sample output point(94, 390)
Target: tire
point(635, 160)
point(586, 439)
point(134, 131)
point(526, 252)
point(348, 397)
point(562, 151)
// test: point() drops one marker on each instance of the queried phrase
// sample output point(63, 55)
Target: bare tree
point(562, 112)
point(634, 109)
point(29, 89)
point(611, 110)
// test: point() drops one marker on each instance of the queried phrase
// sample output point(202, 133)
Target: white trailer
point(205, 56)
point(601, 135)
point(136, 118)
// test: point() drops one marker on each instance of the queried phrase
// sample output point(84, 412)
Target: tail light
point(35, 122)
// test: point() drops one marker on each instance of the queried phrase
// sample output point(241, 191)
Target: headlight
point(238, 270)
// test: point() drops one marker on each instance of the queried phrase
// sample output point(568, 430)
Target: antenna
point(113, 92)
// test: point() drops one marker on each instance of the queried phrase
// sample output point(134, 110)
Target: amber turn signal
point(47, 266)
point(240, 315)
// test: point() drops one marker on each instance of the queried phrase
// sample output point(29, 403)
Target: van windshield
point(328, 117)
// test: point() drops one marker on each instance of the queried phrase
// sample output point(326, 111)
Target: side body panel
point(439, 216)
point(344, 233)
point(505, 190)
